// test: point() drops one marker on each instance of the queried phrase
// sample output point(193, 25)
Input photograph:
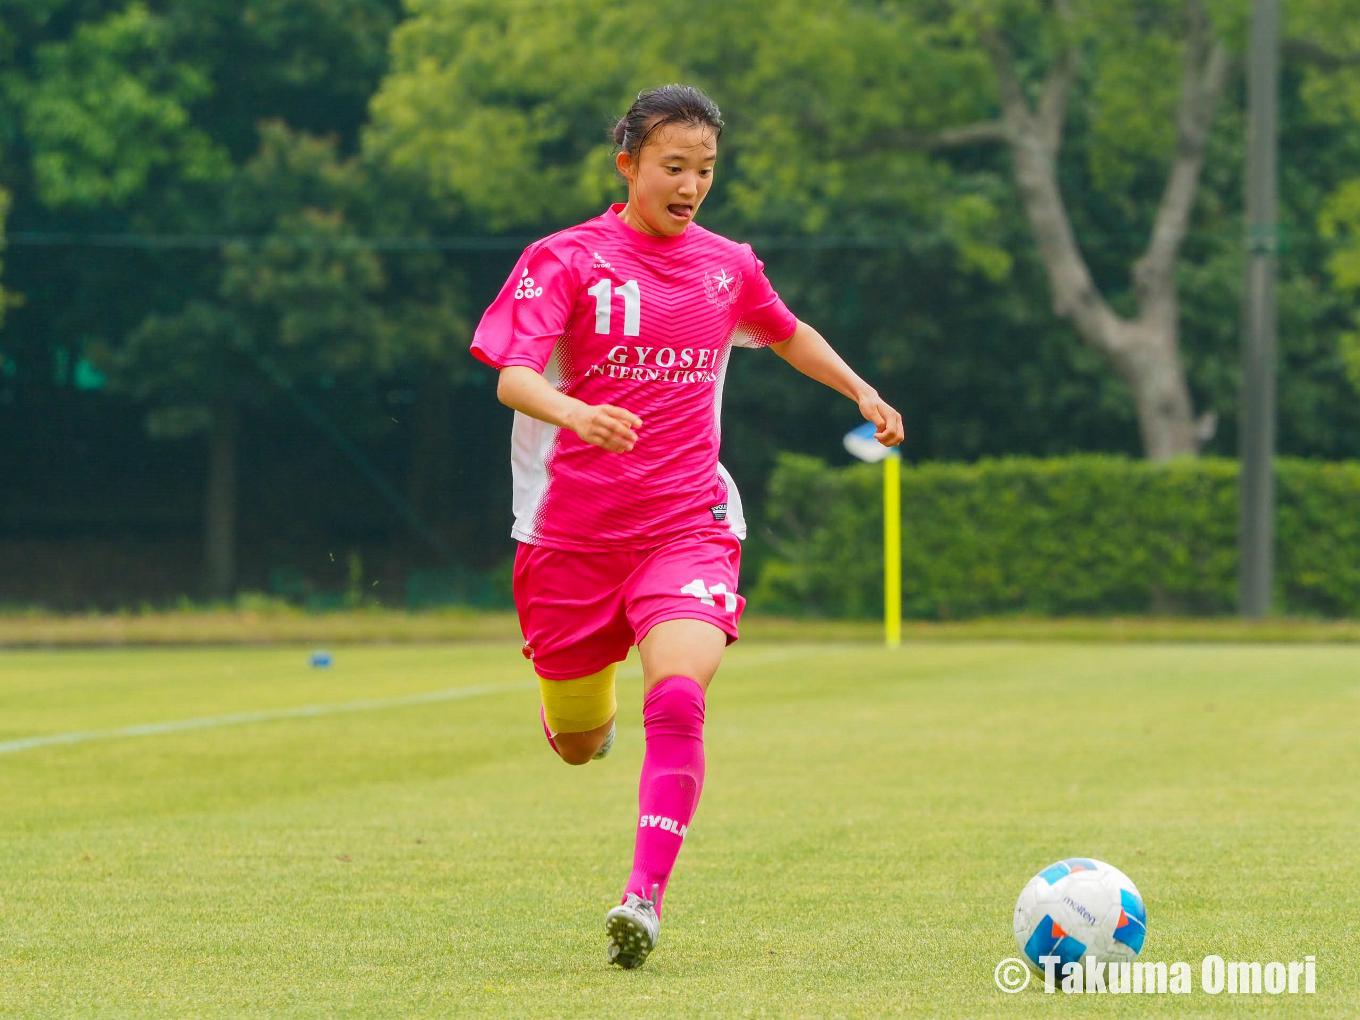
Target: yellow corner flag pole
point(892, 549)
point(860, 442)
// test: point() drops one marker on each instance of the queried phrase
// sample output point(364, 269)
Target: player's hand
point(881, 413)
point(608, 427)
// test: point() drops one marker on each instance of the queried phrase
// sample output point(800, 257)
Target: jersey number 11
point(603, 293)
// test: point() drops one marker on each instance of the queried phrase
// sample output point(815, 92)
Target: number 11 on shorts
point(704, 594)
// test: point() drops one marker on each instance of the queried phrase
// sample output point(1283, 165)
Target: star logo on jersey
point(721, 287)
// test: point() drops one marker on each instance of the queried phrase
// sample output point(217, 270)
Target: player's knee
point(575, 751)
point(675, 705)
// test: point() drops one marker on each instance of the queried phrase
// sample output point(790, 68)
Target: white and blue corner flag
point(862, 444)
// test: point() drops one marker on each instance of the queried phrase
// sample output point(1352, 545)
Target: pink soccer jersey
point(610, 315)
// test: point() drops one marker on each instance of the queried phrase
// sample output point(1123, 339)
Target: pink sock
point(672, 777)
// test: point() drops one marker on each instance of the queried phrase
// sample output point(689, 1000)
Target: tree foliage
point(107, 114)
point(4, 212)
point(301, 300)
point(1332, 85)
point(295, 300)
point(322, 156)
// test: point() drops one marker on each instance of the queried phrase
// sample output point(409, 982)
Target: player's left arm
point(808, 351)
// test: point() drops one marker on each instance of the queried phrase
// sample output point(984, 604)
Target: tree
point(1144, 348)
point(137, 118)
point(297, 308)
point(1130, 192)
point(1019, 70)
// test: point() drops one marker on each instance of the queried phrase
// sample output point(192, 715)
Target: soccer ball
point(1077, 908)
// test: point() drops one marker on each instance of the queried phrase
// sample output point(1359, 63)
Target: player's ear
point(624, 162)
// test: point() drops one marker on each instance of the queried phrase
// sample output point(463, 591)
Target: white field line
point(269, 715)
point(313, 711)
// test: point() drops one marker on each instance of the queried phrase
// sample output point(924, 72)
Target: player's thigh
point(683, 605)
point(571, 610)
point(692, 648)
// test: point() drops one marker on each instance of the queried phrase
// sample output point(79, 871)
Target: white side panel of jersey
point(531, 441)
point(742, 338)
point(736, 520)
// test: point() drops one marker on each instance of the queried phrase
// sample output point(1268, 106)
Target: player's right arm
point(603, 425)
point(516, 336)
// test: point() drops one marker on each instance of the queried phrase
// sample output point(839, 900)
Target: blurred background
point(246, 241)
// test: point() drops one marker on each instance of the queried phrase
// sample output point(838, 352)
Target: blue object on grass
point(320, 660)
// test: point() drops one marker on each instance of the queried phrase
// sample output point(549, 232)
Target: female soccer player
point(612, 339)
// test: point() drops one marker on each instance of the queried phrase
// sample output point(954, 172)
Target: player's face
point(671, 177)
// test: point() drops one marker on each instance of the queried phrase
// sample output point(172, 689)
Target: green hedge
point(1076, 535)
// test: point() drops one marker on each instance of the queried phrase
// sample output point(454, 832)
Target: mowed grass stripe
point(868, 821)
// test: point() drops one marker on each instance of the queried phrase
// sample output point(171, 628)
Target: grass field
point(259, 621)
point(392, 838)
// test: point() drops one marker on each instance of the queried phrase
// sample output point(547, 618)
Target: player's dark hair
point(669, 104)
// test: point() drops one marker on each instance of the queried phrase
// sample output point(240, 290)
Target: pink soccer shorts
point(580, 611)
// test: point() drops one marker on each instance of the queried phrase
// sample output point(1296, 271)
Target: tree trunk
point(1161, 395)
point(219, 510)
